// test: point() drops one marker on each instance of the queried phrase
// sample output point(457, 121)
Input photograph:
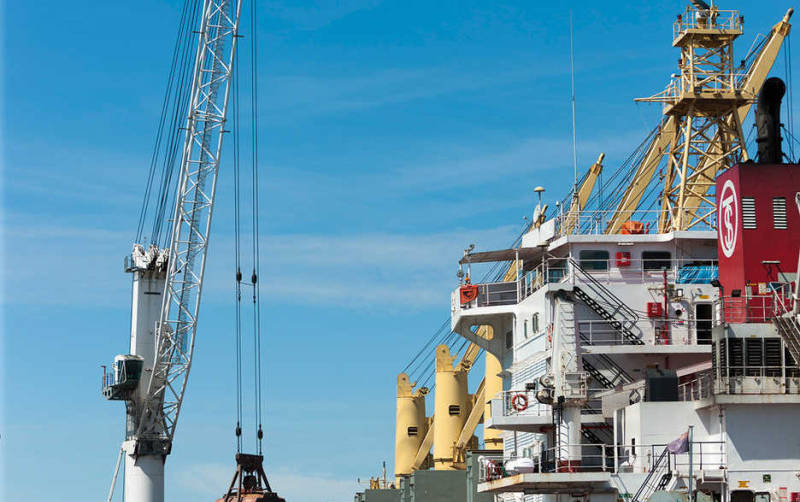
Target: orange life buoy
point(519, 402)
point(468, 292)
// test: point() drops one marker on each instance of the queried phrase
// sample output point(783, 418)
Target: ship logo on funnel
point(728, 219)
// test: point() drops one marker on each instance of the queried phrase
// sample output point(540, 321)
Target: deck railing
point(555, 270)
point(693, 19)
point(522, 403)
point(596, 222)
point(760, 308)
point(706, 455)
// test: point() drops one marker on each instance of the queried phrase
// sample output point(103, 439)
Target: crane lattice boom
point(191, 224)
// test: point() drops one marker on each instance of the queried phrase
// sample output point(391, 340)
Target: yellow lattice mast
point(704, 100)
point(704, 106)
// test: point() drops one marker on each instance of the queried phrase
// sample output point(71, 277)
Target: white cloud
point(64, 265)
point(310, 95)
point(365, 270)
point(209, 481)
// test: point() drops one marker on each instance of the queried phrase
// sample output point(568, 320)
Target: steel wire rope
point(237, 244)
point(449, 338)
point(179, 110)
point(165, 105)
point(256, 235)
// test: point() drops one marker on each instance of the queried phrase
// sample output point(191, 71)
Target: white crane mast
point(162, 339)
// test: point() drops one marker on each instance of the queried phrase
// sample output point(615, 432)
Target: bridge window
point(593, 259)
point(656, 260)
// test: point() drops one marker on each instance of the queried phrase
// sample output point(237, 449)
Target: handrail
point(596, 457)
point(657, 470)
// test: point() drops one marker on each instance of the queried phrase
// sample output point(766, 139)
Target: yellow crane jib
point(581, 197)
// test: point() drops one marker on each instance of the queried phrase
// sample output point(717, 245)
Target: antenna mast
point(574, 135)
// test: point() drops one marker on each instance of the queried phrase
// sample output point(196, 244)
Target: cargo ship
point(640, 344)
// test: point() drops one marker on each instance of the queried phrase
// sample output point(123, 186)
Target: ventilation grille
point(779, 212)
point(748, 213)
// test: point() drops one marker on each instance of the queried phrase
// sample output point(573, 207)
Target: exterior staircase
point(598, 298)
point(658, 478)
point(789, 329)
point(605, 371)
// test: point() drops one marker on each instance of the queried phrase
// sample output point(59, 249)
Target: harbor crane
point(168, 281)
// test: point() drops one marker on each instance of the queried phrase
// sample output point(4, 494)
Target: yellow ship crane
point(701, 133)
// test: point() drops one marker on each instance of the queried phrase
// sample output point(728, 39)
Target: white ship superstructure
point(606, 347)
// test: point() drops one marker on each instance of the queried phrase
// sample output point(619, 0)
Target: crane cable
point(168, 142)
point(421, 368)
point(238, 247)
point(255, 247)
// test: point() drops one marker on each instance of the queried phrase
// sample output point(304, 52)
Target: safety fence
point(705, 455)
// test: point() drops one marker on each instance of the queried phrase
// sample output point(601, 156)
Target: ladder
point(658, 478)
point(789, 329)
point(622, 318)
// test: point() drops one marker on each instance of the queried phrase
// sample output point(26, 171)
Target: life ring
point(519, 402)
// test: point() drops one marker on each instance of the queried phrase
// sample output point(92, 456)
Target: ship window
point(779, 213)
point(594, 259)
point(535, 323)
point(525, 328)
point(454, 409)
point(656, 260)
point(509, 339)
point(748, 213)
point(763, 496)
point(413, 431)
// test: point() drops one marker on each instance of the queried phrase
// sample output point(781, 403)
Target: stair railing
point(653, 480)
point(602, 291)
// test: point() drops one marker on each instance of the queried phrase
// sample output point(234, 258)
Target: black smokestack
point(768, 121)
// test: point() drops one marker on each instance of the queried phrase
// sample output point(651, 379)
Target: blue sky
point(393, 135)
